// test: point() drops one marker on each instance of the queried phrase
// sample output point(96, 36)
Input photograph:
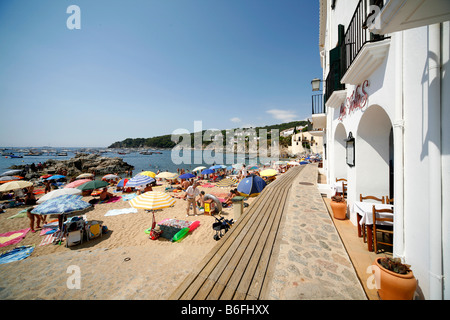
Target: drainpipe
point(398, 130)
point(434, 155)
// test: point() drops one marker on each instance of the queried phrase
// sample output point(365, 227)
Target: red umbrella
point(46, 176)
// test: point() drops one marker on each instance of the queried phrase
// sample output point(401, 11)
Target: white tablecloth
point(337, 186)
point(364, 209)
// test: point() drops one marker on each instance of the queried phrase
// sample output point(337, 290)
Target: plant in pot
point(339, 207)
point(394, 280)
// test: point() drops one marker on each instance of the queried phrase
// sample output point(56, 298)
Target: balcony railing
point(333, 81)
point(317, 104)
point(356, 35)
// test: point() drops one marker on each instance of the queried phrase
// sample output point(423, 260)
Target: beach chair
point(74, 237)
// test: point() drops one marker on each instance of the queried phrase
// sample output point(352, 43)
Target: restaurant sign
point(358, 100)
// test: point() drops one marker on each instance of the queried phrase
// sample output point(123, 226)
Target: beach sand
point(122, 264)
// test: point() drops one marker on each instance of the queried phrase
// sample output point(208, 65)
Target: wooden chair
point(389, 201)
point(381, 228)
point(344, 189)
point(361, 199)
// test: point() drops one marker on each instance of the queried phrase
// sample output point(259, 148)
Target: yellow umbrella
point(152, 200)
point(14, 185)
point(150, 174)
point(268, 173)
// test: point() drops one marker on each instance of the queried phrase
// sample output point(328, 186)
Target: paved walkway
point(311, 261)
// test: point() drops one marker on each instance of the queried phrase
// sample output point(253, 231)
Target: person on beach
point(30, 199)
point(191, 193)
point(230, 196)
point(32, 218)
point(147, 188)
point(200, 200)
point(185, 184)
point(105, 195)
point(243, 172)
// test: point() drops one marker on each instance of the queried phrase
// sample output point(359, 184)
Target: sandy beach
point(122, 264)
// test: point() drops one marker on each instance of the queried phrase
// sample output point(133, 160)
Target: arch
point(374, 153)
point(340, 166)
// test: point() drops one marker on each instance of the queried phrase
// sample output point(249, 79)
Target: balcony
point(363, 51)
point(319, 118)
point(335, 91)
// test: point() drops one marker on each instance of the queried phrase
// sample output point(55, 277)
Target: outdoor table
point(364, 211)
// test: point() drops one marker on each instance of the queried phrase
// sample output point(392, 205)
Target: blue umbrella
point(304, 162)
point(186, 176)
point(122, 182)
point(62, 204)
point(139, 180)
point(207, 171)
point(251, 186)
point(217, 166)
point(56, 177)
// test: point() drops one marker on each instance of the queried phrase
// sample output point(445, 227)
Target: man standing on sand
point(192, 192)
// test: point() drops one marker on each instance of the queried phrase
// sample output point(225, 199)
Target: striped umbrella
point(139, 180)
point(227, 182)
point(57, 193)
point(152, 200)
point(150, 174)
point(122, 182)
point(62, 204)
point(14, 185)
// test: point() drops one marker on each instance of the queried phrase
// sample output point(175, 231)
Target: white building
point(305, 143)
point(386, 84)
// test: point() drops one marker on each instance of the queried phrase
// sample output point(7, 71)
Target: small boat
point(62, 154)
point(14, 156)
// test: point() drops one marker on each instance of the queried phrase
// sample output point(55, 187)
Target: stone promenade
point(311, 261)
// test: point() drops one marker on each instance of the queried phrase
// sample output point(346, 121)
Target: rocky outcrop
point(85, 163)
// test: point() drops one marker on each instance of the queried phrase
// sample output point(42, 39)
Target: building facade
point(386, 89)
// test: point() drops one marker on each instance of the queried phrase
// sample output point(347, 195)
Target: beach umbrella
point(152, 200)
point(253, 168)
point(110, 177)
point(186, 176)
point(150, 174)
point(14, 185)
point(167, 175)
point(198, 169)
point(218, 166)
point(93, 184)
point(57, 193)
point(85, 175)
point(228, 182)
point(56, 177)
point(139, 180)
point(62, 204)
point(77, 183)
point(237, 165)
point(207, 171)
point(9, 178)
point(45, 176)
point(268, 173)
point(293, 163)
point(251, 186)
point(304, 162)
point(122, 182)
point(10, 172)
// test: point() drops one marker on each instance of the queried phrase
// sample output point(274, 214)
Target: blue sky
point(139, 69)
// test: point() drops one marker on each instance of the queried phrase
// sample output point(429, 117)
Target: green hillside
point(164, 141)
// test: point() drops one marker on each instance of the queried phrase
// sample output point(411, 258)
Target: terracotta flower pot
point(394, 286)
point(339, 209)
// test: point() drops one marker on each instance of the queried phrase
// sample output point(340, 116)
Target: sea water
point(166, 161)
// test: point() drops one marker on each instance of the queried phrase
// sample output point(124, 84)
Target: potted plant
point(339, 207)
point(394, 280)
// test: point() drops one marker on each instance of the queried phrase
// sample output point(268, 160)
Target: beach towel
point(16, 254)
point(12, 237)
point(128, 197)
point(45, 231)
point(21, 214)
point(116, 212)
point(49, 238)
point(207, 185)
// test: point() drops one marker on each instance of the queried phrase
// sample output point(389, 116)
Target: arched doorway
point(374, 161)
point(340, 166)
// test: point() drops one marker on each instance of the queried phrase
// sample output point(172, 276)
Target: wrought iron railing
point(357, 35)
point(333, 81)
point(317, 104)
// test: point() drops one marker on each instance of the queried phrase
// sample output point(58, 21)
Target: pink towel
point(12, 237)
